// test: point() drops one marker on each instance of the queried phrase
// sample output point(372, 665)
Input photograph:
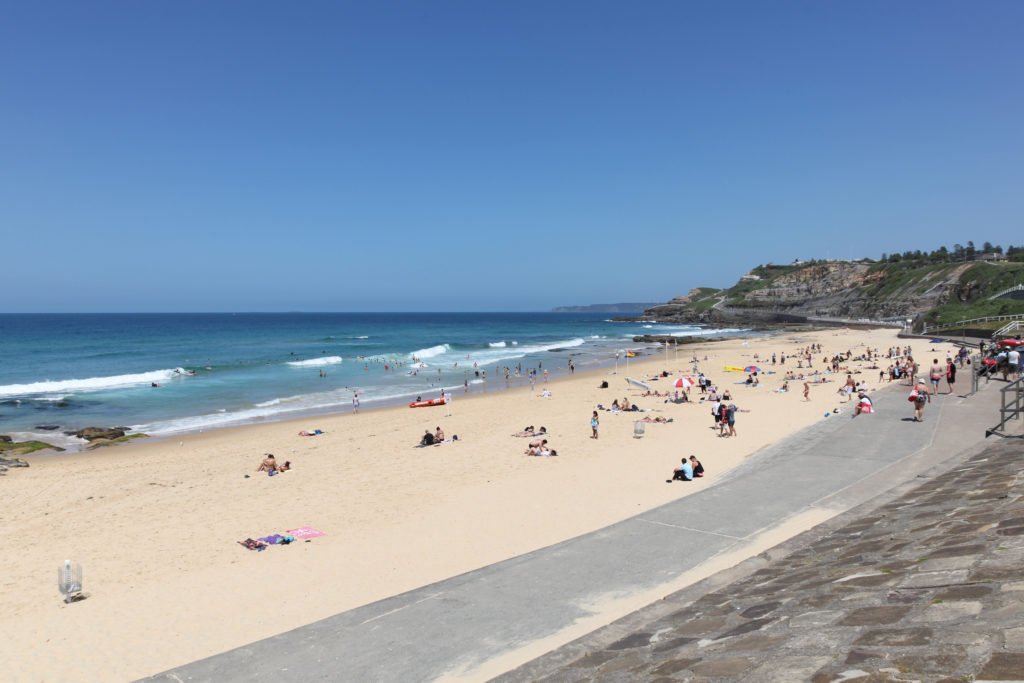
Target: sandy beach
point(155, 525)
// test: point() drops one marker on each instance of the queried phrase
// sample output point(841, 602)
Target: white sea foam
point(267, 404)
point(431, 352)
point(273, 409)
point(498, 345)
point(73, 386)
point(314, 362)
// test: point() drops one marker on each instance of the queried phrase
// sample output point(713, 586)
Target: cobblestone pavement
point(927, 587)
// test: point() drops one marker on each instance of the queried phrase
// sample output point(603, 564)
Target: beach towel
point(272, 539)
point(304, 532)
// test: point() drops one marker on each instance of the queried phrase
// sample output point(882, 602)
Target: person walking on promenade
point(934, 375)
point(950, 375)
point(920, 396)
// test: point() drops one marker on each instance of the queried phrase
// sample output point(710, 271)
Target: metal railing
point(965, 323)
point(1011, 406)
point(1008, 329)
point(1015, 288)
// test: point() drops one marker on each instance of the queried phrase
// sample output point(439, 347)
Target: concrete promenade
point(495, 619)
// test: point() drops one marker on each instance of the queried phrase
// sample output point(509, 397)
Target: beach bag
point(912, 397)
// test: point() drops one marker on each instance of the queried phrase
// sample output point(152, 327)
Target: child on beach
point(807, 391)
point(593, 425)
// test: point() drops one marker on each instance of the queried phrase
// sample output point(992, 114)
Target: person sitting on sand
point(615, 404)
point(269, 464)
point(428, 439)
point(625, 405)
point(698, 469)
point(683, 473)
point(438, 435)
point(285, 467)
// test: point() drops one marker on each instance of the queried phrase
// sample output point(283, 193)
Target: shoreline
point(648, 352)
point(155, 524)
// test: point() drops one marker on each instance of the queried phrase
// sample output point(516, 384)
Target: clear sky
point(487, 155)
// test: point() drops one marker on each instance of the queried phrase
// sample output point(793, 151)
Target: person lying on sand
point(314, 432)
point(656, 419)
point(542, 451)
point(535, 446)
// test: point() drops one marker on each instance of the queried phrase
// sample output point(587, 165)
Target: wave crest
point(72, 386)
point(431, 351)
point(314, 362)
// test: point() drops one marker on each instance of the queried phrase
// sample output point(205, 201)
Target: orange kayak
point(429, 402)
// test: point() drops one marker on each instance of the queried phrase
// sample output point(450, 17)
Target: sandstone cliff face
point(825, 290)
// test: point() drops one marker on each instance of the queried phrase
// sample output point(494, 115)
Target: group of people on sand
point(270, 466)
point(431, 439)
point(687, 470)
point(540, 447)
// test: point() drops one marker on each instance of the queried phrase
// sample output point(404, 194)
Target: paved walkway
point(463, 626)
point(927, 587)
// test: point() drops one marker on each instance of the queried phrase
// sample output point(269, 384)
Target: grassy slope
point(905, 279)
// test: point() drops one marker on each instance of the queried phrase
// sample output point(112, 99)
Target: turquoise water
point(78, 370)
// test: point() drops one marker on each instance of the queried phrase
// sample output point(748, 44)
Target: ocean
point(219, 369)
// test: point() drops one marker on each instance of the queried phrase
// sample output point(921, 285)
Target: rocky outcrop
point(94, 433)
point(821, 290)
point(10, 461)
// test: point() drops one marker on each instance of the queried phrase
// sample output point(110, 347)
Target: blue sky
point(262, 156)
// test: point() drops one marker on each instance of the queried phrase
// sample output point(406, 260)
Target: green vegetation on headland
point(25, 447)
point(933, 289)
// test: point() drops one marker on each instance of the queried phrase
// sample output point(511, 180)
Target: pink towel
point(304, 532)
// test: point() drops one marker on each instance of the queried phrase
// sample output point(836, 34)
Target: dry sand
point(155, 525)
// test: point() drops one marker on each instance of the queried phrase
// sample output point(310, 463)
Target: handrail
point(1011, 406)
point(1015, 288)
point(1008, 329)
point(964, 323)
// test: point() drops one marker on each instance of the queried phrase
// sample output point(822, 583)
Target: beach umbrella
point(684, 383)
point(751, 368)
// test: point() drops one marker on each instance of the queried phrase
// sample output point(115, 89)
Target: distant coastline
point(605, 308)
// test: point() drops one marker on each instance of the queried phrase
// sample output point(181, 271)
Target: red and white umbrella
point(684, 383)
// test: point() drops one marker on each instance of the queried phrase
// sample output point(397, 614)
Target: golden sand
point(155, 524)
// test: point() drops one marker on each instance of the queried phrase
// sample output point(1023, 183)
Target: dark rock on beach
point(4, 438)
point(94, 433)
point(48, 428)
point(10, 461)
